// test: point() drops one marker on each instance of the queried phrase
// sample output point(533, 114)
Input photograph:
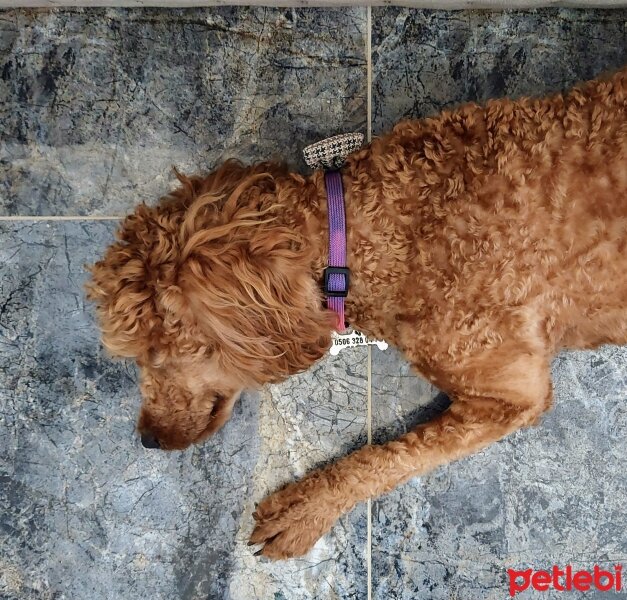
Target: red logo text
point(565, 580)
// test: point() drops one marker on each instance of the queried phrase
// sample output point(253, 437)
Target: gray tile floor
point(96, 106)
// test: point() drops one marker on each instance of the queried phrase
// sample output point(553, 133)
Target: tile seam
point(369, 364)
point(369, 503)
point(9, 219)
point(369, 73)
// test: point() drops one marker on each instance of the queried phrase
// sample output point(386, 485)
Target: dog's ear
point(133, 285)
point(122, 287)
point(245, 281)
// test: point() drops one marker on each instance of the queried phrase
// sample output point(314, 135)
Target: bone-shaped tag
point(340, 341)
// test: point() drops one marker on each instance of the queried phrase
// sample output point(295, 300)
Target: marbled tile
point(545, 496)
point(549, 495)
point(86, 512)
point(565, 488)
point(424, 61)
point(430, 533)
point(98, 105)
point(305, 422)
point(401, 400)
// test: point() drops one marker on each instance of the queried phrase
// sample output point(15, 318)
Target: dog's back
point(578, 209)
point(496, 209)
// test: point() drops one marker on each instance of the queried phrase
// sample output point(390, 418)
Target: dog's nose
point(150, 441)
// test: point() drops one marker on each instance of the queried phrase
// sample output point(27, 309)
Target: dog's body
point(480, 242)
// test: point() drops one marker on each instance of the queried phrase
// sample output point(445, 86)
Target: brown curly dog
point(480, 242)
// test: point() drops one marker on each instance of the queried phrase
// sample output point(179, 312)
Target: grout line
point(369, 397)
point(369, 72)
point(369, 393)
point(58, 218)
point(369, 503)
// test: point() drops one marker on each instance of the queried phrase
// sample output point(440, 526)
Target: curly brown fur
point(480, 242)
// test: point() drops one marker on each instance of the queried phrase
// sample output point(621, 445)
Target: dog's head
point(211, 291)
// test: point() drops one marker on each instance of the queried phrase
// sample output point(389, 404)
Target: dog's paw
point(290, 521)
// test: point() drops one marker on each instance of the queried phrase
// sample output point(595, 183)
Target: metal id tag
point(339, 341)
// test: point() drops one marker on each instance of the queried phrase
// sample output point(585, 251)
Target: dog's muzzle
point(150, 441)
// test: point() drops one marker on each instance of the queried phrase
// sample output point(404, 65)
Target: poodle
point(480, 242)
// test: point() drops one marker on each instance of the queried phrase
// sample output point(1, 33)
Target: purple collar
point(336, 275)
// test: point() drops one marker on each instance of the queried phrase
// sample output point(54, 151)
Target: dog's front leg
point(291, 520)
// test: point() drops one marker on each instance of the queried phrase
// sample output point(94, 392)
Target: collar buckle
point(334, 287)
